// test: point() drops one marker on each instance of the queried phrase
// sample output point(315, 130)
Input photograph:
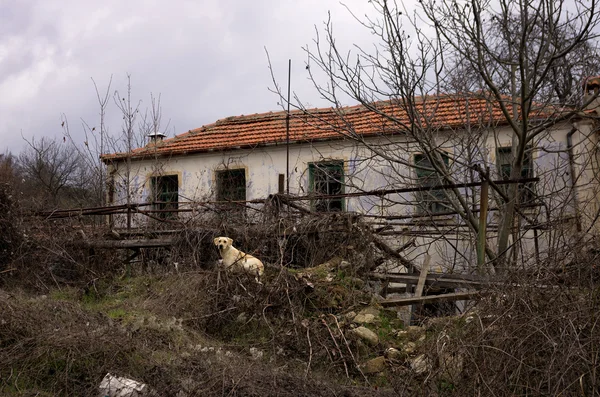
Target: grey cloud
point(206, 59)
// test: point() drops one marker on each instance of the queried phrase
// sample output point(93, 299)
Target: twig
point(338, 347)
point(239, 380)
point(211, 314)
point(349, 350)
point(310, 352)
point(287, 292)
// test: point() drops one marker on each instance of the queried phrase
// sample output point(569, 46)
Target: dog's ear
point(230, 241)
point(216, 240)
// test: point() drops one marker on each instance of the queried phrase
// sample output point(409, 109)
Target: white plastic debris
point(116, 386)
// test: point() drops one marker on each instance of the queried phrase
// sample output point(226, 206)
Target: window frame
point(337, 204)
point(162, 199)
point(430, 202)
point(223, 196)
point(527, 193)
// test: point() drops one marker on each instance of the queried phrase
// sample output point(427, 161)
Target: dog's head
point(223, 242)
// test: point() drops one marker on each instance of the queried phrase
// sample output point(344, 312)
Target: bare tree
point(55, 167)
point(520, 59)
point(138, 125)
point(7, 168)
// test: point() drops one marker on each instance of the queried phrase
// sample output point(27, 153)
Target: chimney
point(155, 137)
point(591, 92)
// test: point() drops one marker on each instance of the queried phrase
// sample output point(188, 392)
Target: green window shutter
point(327, 178)
point(504, 163)
point(430, 201)
point(165, 194)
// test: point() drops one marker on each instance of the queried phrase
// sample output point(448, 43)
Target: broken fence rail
point(115, 209)
point(455, 296)
point(440, 280)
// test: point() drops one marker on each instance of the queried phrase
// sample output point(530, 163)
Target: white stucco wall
point(196, 175)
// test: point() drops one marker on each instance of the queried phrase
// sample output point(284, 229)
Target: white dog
point(238, 261)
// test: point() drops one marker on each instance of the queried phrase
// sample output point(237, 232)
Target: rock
point(364, 318)
point(393, 353)
point(256, 354)
point(420, 364)
point(370, 310)
point(241, 318)
point(368, 315)
point(374, 365)
point(355, 282)
point(412, 332)
point(344, 265)
point(415, 329)
point(115, 386)
point(366, 334)
point(409, 347)
point(350, 316)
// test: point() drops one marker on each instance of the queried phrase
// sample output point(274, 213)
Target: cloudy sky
point(206, 58)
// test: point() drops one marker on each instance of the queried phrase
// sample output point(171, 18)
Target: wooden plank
point(432, 279)
point(422, 276)
point(150, 243)
point(448, 276)
point(455, 296)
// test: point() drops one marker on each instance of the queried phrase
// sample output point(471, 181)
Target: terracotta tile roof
point(440, 112)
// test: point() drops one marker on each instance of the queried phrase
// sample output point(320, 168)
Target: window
point(165, 195)
point(327, 178)
point(504, 160)
point(430, 201)
point(231, 185)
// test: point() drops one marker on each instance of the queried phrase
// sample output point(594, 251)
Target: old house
point(340, 155)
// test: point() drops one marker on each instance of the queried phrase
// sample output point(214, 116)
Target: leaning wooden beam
point(393, 253)
point(456, 296)
point(422, 276)
point(150, 243)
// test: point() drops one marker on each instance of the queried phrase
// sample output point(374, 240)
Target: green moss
point(117, 313)
point(381, 381)
point(249, 334)
point(387, 326)
point(65, 294)
point(446, 388)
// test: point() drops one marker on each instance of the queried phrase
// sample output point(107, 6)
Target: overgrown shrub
point(10, 235)
point(537, 334)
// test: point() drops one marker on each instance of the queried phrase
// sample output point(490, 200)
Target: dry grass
point(69, 315)
point(154, 329)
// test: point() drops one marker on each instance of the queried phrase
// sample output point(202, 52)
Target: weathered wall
point(196, 174)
